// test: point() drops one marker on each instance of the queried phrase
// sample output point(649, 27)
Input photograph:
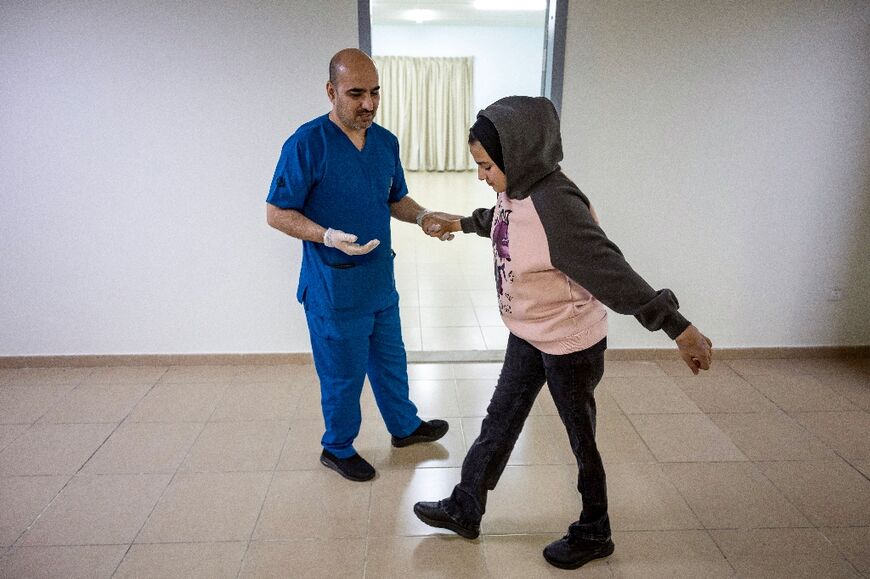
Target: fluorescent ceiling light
point(528, 5)
point(420, 16)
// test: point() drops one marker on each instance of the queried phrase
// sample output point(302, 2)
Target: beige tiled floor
point(758, 469)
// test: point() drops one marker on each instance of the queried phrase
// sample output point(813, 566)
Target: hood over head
point(531, 144)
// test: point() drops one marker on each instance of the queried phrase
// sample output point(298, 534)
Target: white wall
point(507, 59)
point(138, 146)
point(725, 145)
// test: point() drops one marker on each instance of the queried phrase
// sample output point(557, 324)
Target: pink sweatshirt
point(539, 303)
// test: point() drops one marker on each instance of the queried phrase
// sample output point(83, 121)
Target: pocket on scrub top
point(358, 286)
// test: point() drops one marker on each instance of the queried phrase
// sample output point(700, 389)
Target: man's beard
point(358, 123)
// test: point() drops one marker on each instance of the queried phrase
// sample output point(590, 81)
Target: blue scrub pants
point(345, 350)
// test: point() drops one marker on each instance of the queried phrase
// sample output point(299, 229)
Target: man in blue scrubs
point(337, 183)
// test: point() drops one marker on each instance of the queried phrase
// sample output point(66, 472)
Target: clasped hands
point(433, 223)
point(439, 224)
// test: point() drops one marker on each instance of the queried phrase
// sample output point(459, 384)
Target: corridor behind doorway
point(446, 288)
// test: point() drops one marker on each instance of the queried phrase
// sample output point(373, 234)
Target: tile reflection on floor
point(213, 471)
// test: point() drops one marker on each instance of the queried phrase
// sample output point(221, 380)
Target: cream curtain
point(427, 104)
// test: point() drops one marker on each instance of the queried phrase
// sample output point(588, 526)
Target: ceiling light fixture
point(420, 16)
point(515, 5)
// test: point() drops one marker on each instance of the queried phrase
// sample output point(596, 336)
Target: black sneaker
point(354, 468)
point(435, 515)
point(568, 553)
point(428, 431)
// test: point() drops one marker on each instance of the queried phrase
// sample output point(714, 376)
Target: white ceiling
point(452, 12)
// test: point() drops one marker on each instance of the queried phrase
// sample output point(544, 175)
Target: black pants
point(572, 379)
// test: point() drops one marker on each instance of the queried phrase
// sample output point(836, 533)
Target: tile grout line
point(753, 462)
point(133, 540)
point(174, 474)
point(35, 422)
point(82, 466)
point(836, 452)
point(842, 553)
point(368, 531)
point(265, 498)
point(674, 486)
point(704, 529)
point(747, 378)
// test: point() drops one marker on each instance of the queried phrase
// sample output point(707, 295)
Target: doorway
point(552, 19)
point(447, 289)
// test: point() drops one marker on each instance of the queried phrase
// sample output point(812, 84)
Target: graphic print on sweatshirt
point(501, 253)
point(538, 302)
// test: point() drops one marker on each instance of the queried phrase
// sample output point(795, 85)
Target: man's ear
point(330, 91)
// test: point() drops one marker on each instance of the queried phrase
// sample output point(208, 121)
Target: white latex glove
point(446, 236)
point(346, 242)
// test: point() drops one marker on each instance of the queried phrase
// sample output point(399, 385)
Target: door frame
point(553, 62)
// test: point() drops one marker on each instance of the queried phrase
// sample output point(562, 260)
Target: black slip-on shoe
point(428, 431)
point(568, 553)
point(435, 515)
point(354, 468)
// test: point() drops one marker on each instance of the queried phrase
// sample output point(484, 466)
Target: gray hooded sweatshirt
point(554, 266)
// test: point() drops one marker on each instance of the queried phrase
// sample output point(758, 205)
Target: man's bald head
point(349, 59)
point(353, 89)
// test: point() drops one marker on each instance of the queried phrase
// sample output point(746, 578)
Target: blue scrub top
point(325, 177)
